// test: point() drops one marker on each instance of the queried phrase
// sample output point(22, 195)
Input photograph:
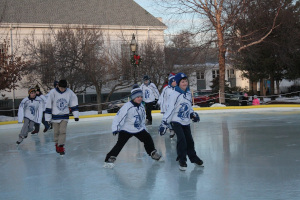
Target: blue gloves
point(115, 133)
point(163, 128)
point(195, 117)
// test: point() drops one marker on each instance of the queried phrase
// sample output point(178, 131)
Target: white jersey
point(150, 92)
point(31, 109)
point(130, 118)
point(179, 107)
point(163, 100)
point(44, 98)
point(58, 104)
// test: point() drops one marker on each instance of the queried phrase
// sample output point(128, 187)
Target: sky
point(174, 23)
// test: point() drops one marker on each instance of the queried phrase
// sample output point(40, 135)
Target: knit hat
point(178, 77)
point(62, 83)
point(55, 83)
point(255, 96)
point(136, 92)
point(171, 78)
point(146, 77)
point(31, 89)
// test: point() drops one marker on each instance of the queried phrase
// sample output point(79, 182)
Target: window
point(215, 73)
point(2, 52)
point(200, 75)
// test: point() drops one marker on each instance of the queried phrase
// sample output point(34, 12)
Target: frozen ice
point(247, 155)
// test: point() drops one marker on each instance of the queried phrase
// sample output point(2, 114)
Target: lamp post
point(133, 48)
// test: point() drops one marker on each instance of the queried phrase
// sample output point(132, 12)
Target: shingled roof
point(88, 12)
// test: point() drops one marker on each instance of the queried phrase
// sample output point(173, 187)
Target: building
point(118, 20)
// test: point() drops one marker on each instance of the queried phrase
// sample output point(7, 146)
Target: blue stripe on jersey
point(48, 111)
point(65, 116)
point(74, 108)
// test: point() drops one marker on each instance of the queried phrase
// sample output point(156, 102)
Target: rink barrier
point(195, 108)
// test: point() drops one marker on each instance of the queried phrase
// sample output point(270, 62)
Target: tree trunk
point(221, 58)
point(254, 85)
point(277, 86)
point(99, 100)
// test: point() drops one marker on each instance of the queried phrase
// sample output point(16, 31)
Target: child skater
point(163, 100)
point(31, 111)
point(178, 115)
point(57, 111)
point(46, 124)
point(151, 95)
point(130, 121)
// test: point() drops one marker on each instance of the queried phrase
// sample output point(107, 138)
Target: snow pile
point(218, 105)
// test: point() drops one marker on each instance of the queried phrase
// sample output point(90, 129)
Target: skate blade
point(196, 165)
point(161, 159)
point(108, 165)
point(182, 168)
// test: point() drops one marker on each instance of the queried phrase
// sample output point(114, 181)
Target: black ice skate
point(199, 163)
point(156, 156)
point(182, 165)
point(19, 140)
point(148, 122)
point(34, 132)
point(172, 134)
point(109, 163)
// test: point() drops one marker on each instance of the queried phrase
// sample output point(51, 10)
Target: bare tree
point(219, 18)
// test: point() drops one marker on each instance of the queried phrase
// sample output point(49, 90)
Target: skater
point(150, 97)
point(130, 121)
point(57, 111)
point(255, 101)
point(178, 115)
point(245, 100)
point(46, 124)
point(31, 111)
point(164, 99)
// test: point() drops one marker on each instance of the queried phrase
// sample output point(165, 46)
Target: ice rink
point(247, 155)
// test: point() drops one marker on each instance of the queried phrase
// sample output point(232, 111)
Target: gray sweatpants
point(27, 127)
point(60, 130)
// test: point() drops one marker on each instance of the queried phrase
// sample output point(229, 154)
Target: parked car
point(204, 98)
point(114, 106)
point(236, 99)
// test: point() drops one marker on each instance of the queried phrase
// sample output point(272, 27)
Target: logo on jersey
point(138, 122)
point(183, 111)
point(32, 110)
point(147, 94)
point(61, 104)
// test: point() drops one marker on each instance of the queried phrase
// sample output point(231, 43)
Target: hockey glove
point(115, 133)
point(195, 117)
point(163, 128)
point(76, 119)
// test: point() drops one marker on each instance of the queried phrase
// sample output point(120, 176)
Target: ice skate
point(19, 140)
point(34, 132)
point(46, 129)
point(61, 150)
point(199, 163)
point(56, 147)
point(156, 156)
point(182, 165)
point(172, 134)
point(110, 162)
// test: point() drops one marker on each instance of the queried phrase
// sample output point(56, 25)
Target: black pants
point(37, 126)
point(124, 136)
point(149, 107)
point(185, 143)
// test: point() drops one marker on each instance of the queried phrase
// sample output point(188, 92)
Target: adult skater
point(57, 110)
point(31, 111)
point(151, 95)
point(163, 100)
point(255, 101)
point(46, 124)
point(130, 121)
point(178, 114)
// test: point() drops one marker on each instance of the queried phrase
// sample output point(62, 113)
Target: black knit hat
point(62, 83)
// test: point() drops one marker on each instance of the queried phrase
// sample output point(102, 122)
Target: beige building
point(117, 19)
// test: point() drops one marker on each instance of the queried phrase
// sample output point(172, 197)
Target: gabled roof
point(88, 12)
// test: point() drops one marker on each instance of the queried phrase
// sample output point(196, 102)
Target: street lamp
point(133, 48)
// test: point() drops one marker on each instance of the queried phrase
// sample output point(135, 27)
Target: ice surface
point(247, 155)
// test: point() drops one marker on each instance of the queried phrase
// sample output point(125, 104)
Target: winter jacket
point(58, 103)
point(150, 92)
point(130, 118)
point(31, 109)
point(164, 97)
